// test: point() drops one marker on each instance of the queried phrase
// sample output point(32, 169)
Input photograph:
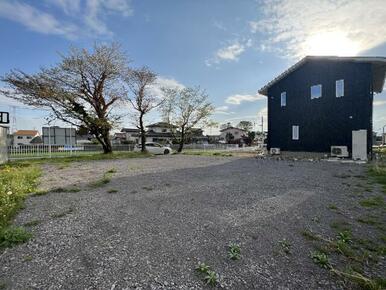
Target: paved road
point(171, 212)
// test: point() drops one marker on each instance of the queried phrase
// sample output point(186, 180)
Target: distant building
point(324, 101)
point(59, 136)
point(196, 136)
point(232, 134)
point(160, 132)
point(130, 135)
point(24, 137)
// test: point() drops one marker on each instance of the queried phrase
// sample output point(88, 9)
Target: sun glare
point(331, 43)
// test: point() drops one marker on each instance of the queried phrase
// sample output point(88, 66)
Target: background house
point(24, 137)
point(160, 132)
point(320, 101)
point(232, 135)
point(131, 135)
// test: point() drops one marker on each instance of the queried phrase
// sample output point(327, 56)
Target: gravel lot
point(170, 212)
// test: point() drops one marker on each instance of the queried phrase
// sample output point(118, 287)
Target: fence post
point(49, 141)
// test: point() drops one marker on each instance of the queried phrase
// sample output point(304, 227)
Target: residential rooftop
point(378, 62)
point(26, 133)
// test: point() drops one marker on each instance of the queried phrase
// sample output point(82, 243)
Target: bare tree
point(81, 90)
point(143, 100)
point(185, 108)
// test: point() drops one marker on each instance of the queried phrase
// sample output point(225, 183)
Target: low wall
point(3, 145)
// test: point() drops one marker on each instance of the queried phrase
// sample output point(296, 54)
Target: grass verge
point(63, 161)
point(16, 182)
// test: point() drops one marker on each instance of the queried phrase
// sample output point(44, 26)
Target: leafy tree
point(140, 82)
point(185, 108)
point(245, 125)
point(229, 137)
point(252, 135)
point(225, 126)
point(80, 90)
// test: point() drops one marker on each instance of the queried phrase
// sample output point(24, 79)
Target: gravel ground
point(170, 212)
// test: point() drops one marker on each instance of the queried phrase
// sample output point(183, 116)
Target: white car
point(154, 148)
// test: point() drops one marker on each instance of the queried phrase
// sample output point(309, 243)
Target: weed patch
point(234, 251)
point(209, 276)
point(340, 225)
point(63, 213)
point(309, 235)
point(376, 201)
point(332, 206)
point(66, 189)
point(285, 246)
point(32, 223)
point(11, 235)
point(16, 182)
point(320, 259)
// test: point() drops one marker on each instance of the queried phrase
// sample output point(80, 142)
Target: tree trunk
point(181, 141)
point(143, 136)
point(107, 147)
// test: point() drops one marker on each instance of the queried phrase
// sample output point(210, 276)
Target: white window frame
point(337, 93)
point(295, 132)
point(321, 91)
point(283, 99)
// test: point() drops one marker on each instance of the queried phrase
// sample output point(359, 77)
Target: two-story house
point(24, 137)
point(160, 132)
point(232, 134)
point(324, 101)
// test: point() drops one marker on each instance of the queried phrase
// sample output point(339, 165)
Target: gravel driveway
point(158, 217)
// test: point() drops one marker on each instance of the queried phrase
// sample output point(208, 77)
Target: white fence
point(52, 151)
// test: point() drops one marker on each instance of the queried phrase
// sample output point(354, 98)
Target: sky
point(229, 48)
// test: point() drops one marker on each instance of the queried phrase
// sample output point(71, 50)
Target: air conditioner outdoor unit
point(274, 151)
point(339, 151)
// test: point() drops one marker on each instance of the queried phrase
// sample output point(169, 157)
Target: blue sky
point(230, 48)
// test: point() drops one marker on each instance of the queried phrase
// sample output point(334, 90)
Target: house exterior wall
point(23, 139)
point(159, 129)
point(325, 121)
point(237, 133)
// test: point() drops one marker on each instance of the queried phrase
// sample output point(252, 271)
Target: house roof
point(130, 130)
point(222, 130)
point(161, 124)
point(26, 133)
point(378, 63)
point(37, 140)
point(157, 134)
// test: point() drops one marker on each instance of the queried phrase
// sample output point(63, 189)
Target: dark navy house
point(318, 102)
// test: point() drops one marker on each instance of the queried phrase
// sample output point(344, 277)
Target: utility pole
point(383, 135)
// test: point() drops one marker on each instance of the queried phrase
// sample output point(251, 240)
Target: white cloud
point(68, 6)
point(223, 110)
point(379, 103)
point(35, 19)
point(81, 18)
point(164, 82)
point(296, 28)
point(230, 52)
point(95, 10)
point(238, 99)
